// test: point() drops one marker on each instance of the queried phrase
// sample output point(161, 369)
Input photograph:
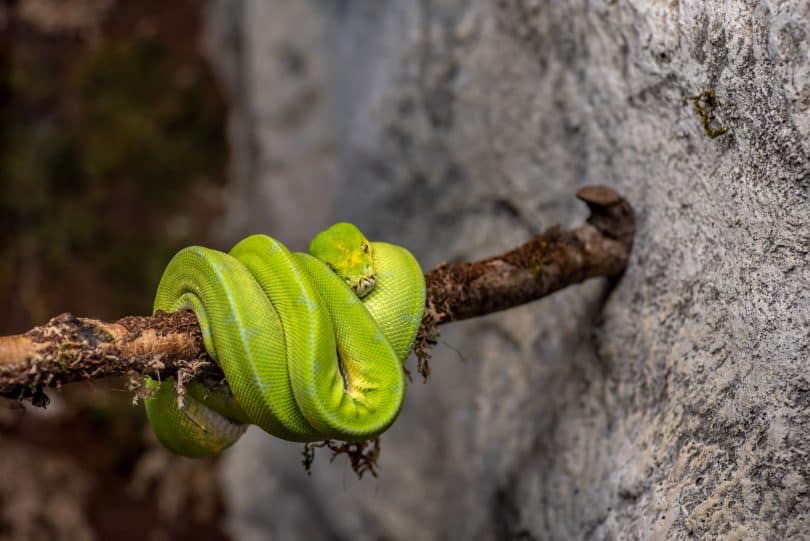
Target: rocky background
point(671, 405)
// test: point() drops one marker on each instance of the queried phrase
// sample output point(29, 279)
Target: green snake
point(311, 345)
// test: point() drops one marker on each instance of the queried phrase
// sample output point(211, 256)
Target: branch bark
point(69, 348)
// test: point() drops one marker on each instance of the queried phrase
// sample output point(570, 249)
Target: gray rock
point(673, 405)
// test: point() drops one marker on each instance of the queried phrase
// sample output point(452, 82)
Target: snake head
point(349, 254)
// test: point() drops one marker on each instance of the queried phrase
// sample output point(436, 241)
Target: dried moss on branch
point(69, 348)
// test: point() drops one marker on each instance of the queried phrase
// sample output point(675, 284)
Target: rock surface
point(675, 405)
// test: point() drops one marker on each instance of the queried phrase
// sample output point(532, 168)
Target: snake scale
point(311, 345)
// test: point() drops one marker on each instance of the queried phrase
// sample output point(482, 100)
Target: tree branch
point(69, 348)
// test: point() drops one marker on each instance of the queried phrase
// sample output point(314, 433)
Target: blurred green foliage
point(97, 154)
point(141, 117)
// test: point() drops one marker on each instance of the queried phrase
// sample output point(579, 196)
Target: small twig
point(363, 455)
point(69, 348)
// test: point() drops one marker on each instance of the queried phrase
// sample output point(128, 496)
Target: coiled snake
point(311, 345)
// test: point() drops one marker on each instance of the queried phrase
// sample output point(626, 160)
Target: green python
point(311, 345)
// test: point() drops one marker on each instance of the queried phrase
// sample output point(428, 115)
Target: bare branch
point(70, 348)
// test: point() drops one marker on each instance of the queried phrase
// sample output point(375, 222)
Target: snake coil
point(304, 357)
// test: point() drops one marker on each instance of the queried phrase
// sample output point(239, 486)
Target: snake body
point(304, 356)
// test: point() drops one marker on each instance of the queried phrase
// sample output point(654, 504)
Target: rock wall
point(672, 405)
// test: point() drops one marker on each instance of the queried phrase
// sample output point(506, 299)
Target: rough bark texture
point(673, 406)
point(68, 349)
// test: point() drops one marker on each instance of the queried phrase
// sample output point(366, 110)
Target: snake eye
point(364, 247)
